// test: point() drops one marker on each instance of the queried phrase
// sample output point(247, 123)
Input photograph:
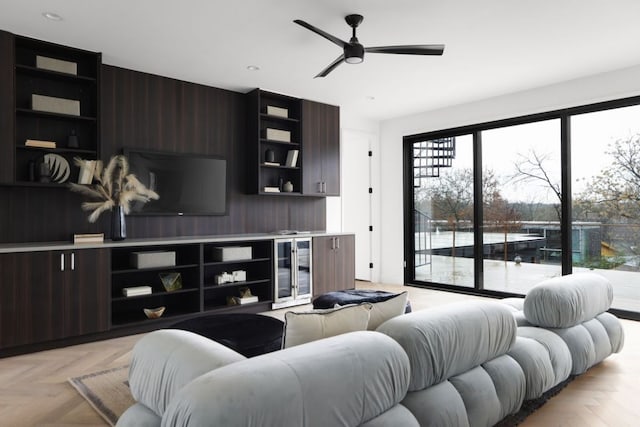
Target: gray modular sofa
point(564, 329)
point(462, 364)
point(179, 378)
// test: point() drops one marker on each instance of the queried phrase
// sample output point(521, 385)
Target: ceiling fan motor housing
point(353, 53)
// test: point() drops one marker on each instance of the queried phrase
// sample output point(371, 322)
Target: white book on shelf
point(271, 190)
point(136, 290)
point(292, 158)
point(246, 300)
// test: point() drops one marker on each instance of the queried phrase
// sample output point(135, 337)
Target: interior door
point(356, 199)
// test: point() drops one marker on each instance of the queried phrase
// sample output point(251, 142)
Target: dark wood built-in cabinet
point(321, 160)
point(313, 130)
point(334, 263)
point(30, 78)
point(52, 295)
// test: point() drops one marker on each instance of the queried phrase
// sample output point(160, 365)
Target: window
point(490, 207)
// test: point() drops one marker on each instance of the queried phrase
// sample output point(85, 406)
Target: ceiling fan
point(354, 51)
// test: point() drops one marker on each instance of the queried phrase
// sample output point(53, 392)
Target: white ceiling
point(493, 47)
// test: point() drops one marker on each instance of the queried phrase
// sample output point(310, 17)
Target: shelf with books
point(55, 106)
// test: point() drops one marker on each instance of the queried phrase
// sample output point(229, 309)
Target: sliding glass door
point(521, 206)
point(605, 165)
point(442, 210)
point(499, 207)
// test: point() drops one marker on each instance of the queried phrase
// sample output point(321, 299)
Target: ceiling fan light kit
point(353, 51)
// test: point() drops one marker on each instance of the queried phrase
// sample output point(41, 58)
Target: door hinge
point(370, 265)
point(370, 190)
point(370, 153)
point(371, 228)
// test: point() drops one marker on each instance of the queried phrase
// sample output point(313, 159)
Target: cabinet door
point(320, 149)
point(52, 295)
point(323, 265)
point(345, 262)
point(283, 264)
point(304, 268)
point(31, 298)
point(87, 291)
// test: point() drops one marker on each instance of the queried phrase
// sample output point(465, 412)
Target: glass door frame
point(476, 131)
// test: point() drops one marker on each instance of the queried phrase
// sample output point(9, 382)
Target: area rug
point(107, 391)
point(530, 406)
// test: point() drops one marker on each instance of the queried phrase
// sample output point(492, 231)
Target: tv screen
point(188, 184)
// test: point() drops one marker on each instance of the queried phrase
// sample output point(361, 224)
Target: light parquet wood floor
point(34, 389)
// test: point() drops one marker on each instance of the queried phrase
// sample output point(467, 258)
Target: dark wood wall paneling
point(157, 113)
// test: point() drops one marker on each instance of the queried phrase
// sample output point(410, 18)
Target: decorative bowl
point(154, 313)
point(171, 281)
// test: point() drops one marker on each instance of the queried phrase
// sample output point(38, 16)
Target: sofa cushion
point(451, 339)
point(313, 325)
point(562, 302)
point(164, 361)
point(388, 309)
point(345, 380)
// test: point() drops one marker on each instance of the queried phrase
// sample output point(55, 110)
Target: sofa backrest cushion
point(303, 327)
point(451, 339)
point(562, 302)
point(344, 380)
point(166, 360)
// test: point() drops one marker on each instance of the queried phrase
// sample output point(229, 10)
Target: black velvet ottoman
point(353, 296)
point(248, 334)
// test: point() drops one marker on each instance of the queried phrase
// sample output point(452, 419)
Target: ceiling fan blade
point(339, 60)
point(418, 49)
point(324, 34)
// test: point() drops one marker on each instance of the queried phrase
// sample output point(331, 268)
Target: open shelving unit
point(83, 86)
point(269, 175)
point(259, 275)
point(199, 292)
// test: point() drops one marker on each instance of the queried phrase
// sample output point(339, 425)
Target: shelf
point(242, 261)
point(30, 112)
point(56, 150)
point(284, 119)
point(262, 165)
point(35, 71)
point(142, 270)
point(138, 319)
point(155, 294)
point(211, 286)
point(223, 308)
point(38, 184)
point(276, 142)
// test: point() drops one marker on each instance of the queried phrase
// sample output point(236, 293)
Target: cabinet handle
point(337, 243)
point(73, 261)
point(324, 187)
point(319, 187)
point(333, 243)
point(61, 262)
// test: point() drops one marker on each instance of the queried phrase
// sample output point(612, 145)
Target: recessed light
point(52, 16)
point(253, 68)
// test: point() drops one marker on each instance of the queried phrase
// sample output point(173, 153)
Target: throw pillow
point(385, 310)
point(300, 328)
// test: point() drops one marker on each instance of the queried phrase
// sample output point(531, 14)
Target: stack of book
point(245, 300)
point(271, 189)
point(136, 290)
point(39, 144)
point(88, 238)
point(292, 158)
point(87, 169)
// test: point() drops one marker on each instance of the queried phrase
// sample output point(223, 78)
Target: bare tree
point(533, 167)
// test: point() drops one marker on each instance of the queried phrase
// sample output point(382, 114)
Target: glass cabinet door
point(284, 279)
point(303, 258)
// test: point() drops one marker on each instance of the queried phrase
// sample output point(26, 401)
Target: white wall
point(352, 125)
point(602, 87)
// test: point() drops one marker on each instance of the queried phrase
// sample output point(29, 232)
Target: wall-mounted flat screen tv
point(188, 184)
